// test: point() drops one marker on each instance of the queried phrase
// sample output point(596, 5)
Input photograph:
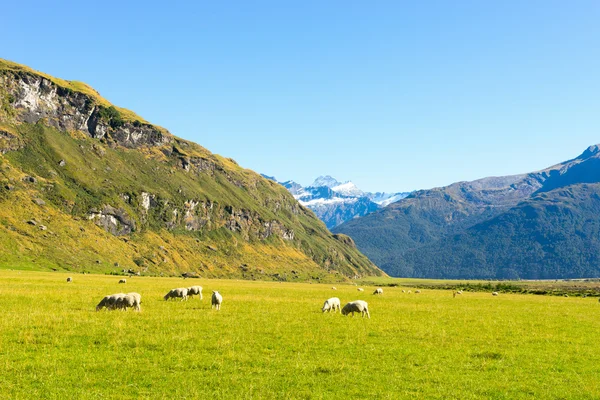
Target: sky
point(393, 95)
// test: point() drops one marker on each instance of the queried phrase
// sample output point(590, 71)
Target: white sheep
point(494, 293)
point(332, 304)
point(458, 292)
point(409, 291)
point(417, 291)
point(69, 279)
point(361, 289)
point(216, 300)
point(333, 288)
point(379, 291)
point(130, 300)
point(109, 301)
point(195, 290)
point(122, 280)
point(179, 293)
point(356, 306)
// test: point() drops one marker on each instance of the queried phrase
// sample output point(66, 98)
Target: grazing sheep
point(195, 290)
point(109, 301)
point(216, 300)
point(458, 292)
point(417, 291)
point(122, 280)
point(403, 291)
point(356, 306)
point(69, 279)
point(494, 293)
point(332, 304)
point(333, 288)
point(130, 300)
point(409, 291)
point(361, 289)
point(378, 291)
point(179, 293)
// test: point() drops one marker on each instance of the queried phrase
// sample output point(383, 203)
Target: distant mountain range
point(540, 225)
point(336, 202)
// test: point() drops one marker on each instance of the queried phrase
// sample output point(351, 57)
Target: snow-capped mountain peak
point(335, 202)
point(327, 181)
point(348, 189)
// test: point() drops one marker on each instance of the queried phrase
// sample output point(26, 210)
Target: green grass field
point(271, 341)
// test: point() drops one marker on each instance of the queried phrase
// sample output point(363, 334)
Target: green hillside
point(534, 226)
point(86, 186)
point(555, 234)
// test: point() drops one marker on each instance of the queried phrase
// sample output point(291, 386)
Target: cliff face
point(105, 174)
point(34, 97)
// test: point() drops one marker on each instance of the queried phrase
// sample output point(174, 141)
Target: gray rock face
point(9, 142)
point(37, 98)
point(113, 220)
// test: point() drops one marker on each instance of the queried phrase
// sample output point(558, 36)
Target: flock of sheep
point(123, 301)
point(357, 306)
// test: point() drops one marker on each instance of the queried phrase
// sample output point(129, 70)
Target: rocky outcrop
point(113, 220)
point(9, 142)
point(34, 98)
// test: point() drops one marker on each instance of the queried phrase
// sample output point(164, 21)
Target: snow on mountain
point(326, 181)
point(335, 202)
point(348, 189)
point(383, 199)
point(322, 202)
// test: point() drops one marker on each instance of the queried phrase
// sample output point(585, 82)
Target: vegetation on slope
point(541, 225)
point(68, 200)
point(555, 234)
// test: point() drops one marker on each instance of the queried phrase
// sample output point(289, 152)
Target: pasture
point(271, 341)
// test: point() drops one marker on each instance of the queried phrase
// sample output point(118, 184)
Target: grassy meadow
point(270, 340)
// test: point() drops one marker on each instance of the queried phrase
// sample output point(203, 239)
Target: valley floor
point(270, 340)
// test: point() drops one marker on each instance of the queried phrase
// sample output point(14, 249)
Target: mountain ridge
point(406, 235)
point(78, 173)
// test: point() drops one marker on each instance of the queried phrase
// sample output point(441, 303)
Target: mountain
point(87, 186)
point(532, 226)
point(335, 202)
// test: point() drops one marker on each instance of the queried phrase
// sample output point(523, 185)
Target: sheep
point(130, 300)
point(109, 301)
point(195, 290)
point(356, 306)
point(417, 291)
point(122, 280)
point(459, 292)
point(331, 304)
point(494, 293)
point(378, 291)
point(333, 288)
point(361, 289)
point(216, 300)
point(69, 279)
point(403, 291)
point(409, 291)
point(181, 293)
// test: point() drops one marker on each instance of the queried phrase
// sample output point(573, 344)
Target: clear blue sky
point(393, 95)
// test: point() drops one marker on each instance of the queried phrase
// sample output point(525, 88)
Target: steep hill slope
point(555, 234)
point(421, 235)
point(87, 186)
